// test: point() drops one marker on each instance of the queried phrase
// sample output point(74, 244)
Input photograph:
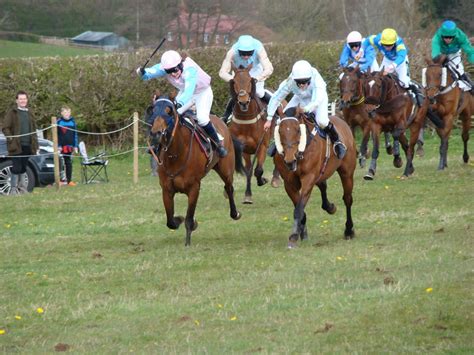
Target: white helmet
point(301, 70)
point(354, 37)
point(170, 59)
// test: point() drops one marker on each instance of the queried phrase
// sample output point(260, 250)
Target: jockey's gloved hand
point(310, 116)
point(141, 71)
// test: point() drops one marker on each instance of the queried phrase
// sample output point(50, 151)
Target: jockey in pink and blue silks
point(247, 51)
point(194, 87)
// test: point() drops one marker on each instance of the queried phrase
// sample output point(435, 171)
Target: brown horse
point(183, 161)
point(352, 103)
point(303, 164)
point(393, 111)
point(248, 117)
point(448, 101)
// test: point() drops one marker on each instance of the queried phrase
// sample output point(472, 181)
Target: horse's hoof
point(237, 216)
point(397, 162)
point(348, 235)
point(292, 244)
point(331, 209)
point(262, 181)
point(362, 162)
point(389, 150)
point(275, 182)
point(368, 177)
point(176, 222)
point(465, 158)
point(248, 200)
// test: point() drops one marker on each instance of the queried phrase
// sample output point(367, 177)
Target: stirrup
point(221, 151)
point(342, 147)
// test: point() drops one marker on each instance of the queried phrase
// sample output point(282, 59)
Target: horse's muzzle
point(291, 165)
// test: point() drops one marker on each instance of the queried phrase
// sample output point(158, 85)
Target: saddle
point(188, 119)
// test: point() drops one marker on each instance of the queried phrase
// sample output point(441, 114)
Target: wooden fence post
point(135, 147)
point(57, 179)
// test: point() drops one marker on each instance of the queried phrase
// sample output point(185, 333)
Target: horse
point(304, 163)
point(183, 161)
point(448, 101)
point(248, 117)
point(393, 111)
point(352, 104)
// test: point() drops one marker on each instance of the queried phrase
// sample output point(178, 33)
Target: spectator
point(67, 140)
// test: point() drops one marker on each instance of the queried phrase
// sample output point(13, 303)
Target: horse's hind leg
point(410, 151)
point(248, 175)
point(276, 181)
point(364, 146)
point(375, 154)
point(347, 179)
point(172, 222)
point(227, 176)
point(388, 145)
point(397, 160)
point(190, 223)
point(329, 207)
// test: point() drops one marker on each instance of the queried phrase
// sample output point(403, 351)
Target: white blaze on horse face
point(341, 76)
point(371, 83)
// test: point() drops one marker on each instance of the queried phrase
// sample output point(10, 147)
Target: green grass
point(111, 278)
point(11, 49)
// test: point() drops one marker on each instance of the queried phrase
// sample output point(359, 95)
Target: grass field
point(94, 269)
point(11, 49)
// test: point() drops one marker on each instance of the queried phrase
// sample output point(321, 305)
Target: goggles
point(246, 53)
point(447, 37)
point(354, 44)
point(303, 81)
point(175, 69)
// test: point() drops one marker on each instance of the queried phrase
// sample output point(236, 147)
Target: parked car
point(40, 169)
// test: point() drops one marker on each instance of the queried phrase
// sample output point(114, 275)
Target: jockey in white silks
point(309, 91)
point(358, 51)
point(194, 87)
point(246, 51)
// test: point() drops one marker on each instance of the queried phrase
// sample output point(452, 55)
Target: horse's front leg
point(388, 145)
point(172, 222)
point(410, 151)
point(328, 206)
point(190, 222)
point(375, 152)
point(443, 153)
point(397, 160)
point(261, 155)
point(299, 215)
point(364, 146)
point(248, 175)
point(466, 125)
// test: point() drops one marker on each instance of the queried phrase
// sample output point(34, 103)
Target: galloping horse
point(304, 164)
point(448, 101)
point(183, 161)
point(248, 118)
point(353, 108)
point(394, 112)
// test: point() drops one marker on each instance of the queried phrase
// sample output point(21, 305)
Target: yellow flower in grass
point(197, 322)
point(429, 289)
point(219, 305)
point(2, 331)
point(285, 218)
point(386, 187)
point(40, 310)
point(339, 258)
point(6, 225)
point(17, 317)
point(233, 318)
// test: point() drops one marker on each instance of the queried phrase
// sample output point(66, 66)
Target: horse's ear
point(168, 110)
point(172, 95)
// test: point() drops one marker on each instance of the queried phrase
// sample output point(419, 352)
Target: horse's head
point(350, 86)
point(165, 116)
point(374, 87)
point(242, 86)
point(434, 77)
point(290, 138)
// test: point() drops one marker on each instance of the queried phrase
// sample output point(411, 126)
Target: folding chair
point(92, 169)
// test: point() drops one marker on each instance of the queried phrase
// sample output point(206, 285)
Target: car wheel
point(5, 177)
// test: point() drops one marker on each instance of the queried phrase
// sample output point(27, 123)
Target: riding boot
point(14, 184)
point(418, 96)
point(22, 184)
point(339, 147)
point(266, 98)
point(464, 77)
point(228, 111)
point(212, 133)
point(271, 151)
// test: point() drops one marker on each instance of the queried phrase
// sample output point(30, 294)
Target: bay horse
point(352, 104)
point(304, 163)
point(393, 111)
point(248, 117)
point(448, 101)
point(183, 162)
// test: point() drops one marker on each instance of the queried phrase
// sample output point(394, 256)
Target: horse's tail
point(437, 121)
point(238, 149)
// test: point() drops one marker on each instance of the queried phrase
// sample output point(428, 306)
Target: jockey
point(309, 90)
point(450, 40)
point(247, 50)
point(395, 58)
point(359, 51)
point(194, 87)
